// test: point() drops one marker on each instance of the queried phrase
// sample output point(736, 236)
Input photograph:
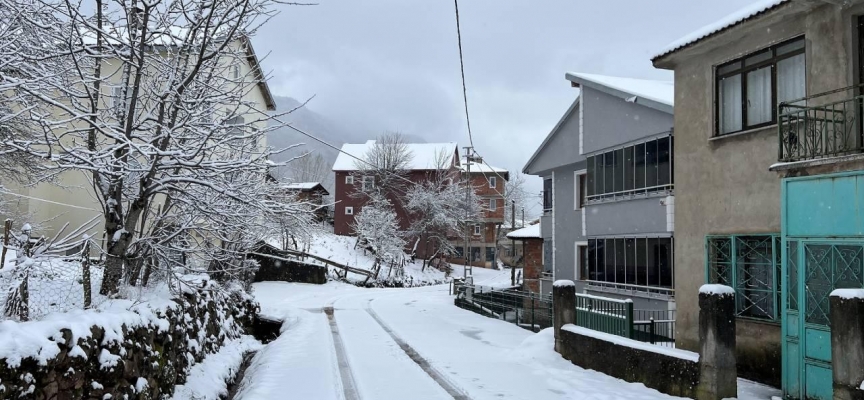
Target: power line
point(462, 69)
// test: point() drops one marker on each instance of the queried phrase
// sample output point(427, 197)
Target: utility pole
point(513, 243)
point(523, 217)
point(467, 250)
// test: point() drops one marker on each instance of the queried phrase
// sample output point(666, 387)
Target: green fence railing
point(603, 314)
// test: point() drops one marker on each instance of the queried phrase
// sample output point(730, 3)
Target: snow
point(482, 167)
point(743, 14)
point(635, 344)
point(208, 379)
point(301, 362)
point(716, 289)
point(141, 384)
point(659, 91)
point(424, 155)
point(301, 185)
point(563, 283)
point(528, 232)
point(848, 294)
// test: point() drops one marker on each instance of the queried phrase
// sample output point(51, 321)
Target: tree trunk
point(113, 273)
point(85, 275)
point(6, 228)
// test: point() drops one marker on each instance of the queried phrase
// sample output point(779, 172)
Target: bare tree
point(308, 167)
point(384, 168)
point(149, 101)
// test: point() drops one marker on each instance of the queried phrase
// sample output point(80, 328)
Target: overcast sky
point(377, 65)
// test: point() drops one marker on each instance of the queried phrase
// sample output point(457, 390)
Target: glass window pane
point(601, 260)
point(757, 58)
point(610, 260)
point(652, 265)
point(791, 79)
point(609, 171)
point(639, 159)
point(730, 104)
point(630, 250)
point(665, 262)
point(641, 262)
point(620, 261)
point(790, 47)
point(599, 179)
point(628, 168)
point(725, 69)
point(591, 172)
point(663, 162)
point(759, 105)
point(619, 170)
point(592, 260)
point(651, 164)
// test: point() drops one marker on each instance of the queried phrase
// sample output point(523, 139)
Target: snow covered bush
point(377, 227)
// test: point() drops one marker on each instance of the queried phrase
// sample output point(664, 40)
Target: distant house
point(769, 166)
point(311, 193)
point(490, 185)
point(425, 161)
point(531, 242)
point(608, 191)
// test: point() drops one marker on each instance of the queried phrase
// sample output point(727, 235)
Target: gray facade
point(601, 119)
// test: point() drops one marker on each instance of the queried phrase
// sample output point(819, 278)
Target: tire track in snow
point(433, 373)
point(348, 385)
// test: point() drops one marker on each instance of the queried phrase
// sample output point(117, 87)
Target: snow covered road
point(396, 344)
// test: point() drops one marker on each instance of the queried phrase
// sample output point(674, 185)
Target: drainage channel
point(437, 376)
point(348, 385)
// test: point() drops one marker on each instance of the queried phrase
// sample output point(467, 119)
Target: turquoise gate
point(823, 233)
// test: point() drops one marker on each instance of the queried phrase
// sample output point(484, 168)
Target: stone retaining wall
point(144, 361)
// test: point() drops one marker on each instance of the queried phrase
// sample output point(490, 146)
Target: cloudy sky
point(377, 65)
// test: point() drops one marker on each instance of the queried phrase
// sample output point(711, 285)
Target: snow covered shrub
point(377, 227)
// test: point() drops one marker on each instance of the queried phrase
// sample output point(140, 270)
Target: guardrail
point(603, 314)
point(525, 309)
point(820, 126)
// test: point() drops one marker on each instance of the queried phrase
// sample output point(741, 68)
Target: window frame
point(493, 182)
point(477, 230)
point(547, 195)
point(349, 210)
point(367, 180)
point(712, 275)
point(493, 204)
point(640, 182)
point(349, 179)
point(743, 70)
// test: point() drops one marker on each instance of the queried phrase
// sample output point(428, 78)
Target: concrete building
point(608, 186)
point(768, 163)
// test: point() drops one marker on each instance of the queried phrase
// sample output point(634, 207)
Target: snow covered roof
point(528, 232)
point(424, 156)
point(755, 9)
point(302, 186)
point(482, 167)
point(630, 89)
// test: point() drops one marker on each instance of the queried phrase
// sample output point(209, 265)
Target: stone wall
point(671, 375)
point(276, 266)
point(130, 360)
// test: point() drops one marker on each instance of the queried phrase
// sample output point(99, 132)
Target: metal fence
point(525, 309)
point(654, 326)
point(822, 125)
point(603, 314)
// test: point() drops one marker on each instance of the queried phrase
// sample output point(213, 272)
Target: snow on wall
point(563, 283)
point(722, 290)
point(848, 294)
point(622, 341)
point(122, 349)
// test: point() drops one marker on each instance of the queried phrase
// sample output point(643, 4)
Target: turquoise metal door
point(823, 230)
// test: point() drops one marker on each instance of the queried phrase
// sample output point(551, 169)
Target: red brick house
point(489, 183)
point(424, 163)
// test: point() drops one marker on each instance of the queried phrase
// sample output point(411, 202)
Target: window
point(490, 254)
point(476, 229)
point(368, 183)
point(460, 252)
point(349, 210)
point(349, 179)
point(751, 265)
point(235, 126)
point(642, 261)
point(493, 181)
point(580, 190)
point(641, 168)
point(493, 204)
point(749, 88)
point(475, 254)
point(235, 71)
point(547, 194)
point(582, 260)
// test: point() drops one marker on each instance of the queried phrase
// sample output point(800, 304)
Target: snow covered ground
point(414, 343)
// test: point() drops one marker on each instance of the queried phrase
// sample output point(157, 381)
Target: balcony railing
point(821, 126)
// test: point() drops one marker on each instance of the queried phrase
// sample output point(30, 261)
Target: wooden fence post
point(85, 273)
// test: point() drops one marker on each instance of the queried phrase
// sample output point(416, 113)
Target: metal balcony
point(821, 126)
